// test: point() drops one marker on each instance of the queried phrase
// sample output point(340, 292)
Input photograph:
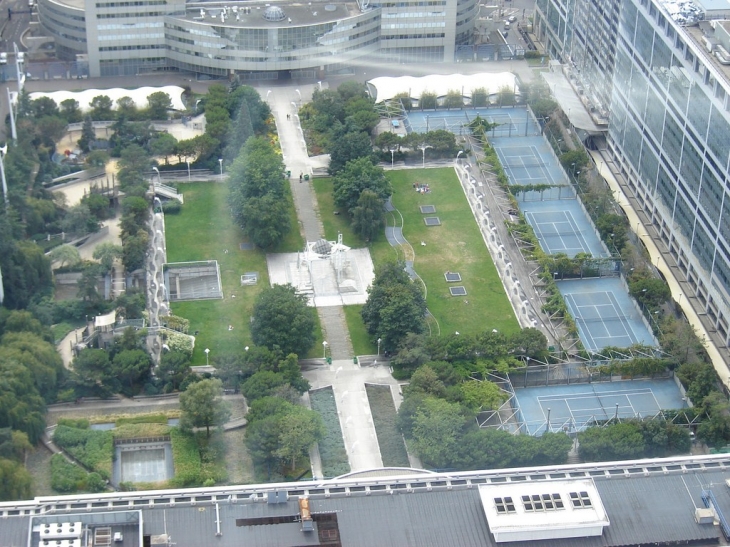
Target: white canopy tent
point(385, 88)
point(139, 96)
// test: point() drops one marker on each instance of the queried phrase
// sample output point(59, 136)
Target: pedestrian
point(301, 177)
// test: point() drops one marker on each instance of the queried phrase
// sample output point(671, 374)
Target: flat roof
point(295, 13)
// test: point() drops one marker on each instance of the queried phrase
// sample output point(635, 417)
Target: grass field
point(205, 230)
point(456, 246)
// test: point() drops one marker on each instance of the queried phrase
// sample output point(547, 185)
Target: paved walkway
point(348, 383)
point(284, 103)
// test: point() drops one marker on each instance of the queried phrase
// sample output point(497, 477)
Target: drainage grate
point(452, 277)
point(432, 221)
point(427, 208)
point(457, 291)
point(246, 246)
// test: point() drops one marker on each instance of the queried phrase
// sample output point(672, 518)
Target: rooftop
point(270, 15)
point(646, 501)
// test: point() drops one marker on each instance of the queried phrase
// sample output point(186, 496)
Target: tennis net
point(522, 161)
point(603, 318)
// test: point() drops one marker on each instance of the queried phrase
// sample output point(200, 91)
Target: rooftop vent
point(330, 7)
point(274, 13)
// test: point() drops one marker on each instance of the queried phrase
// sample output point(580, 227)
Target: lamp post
point(379, 340)
point(188, 162)
point(3, 151)
point(423, 149)
point(459, 154)
point(159, 179)
point(207, 351)
point(268, 92)
point(196, 105)
point(300, 95)
point(392, 155)
point(324, 349)
point(220, 162)
point(320, 85)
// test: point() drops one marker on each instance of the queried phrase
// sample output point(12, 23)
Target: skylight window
point(504, 505)
point(580, 500)
point(543, 502)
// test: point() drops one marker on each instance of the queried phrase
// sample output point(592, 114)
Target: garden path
point(284, 103)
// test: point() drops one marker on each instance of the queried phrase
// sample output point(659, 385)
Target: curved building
point(254, 40)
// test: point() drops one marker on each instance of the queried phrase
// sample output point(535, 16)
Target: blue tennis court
point(561, 226)
point(573, 407)
point(605, 314)
point(513, 122)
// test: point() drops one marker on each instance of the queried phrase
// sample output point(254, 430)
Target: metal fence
point(566, 374)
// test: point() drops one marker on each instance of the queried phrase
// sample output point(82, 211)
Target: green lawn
point(204, 230)
point(455, 246)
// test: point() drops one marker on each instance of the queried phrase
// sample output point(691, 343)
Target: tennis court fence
point(567, 374)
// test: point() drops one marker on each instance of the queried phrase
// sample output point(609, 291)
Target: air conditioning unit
point(704, 515)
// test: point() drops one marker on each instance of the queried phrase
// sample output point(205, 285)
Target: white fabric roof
point(385, 88)
point(139, 96)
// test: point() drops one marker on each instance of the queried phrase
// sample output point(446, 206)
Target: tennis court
point(572, 408)
point(605, 314)
point(561, 226)
point(513, 122)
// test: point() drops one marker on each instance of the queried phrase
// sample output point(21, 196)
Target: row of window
point(543, 502)
point(129, 4)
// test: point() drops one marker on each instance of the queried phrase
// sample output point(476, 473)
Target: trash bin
point(306, 177)
point(354, 360)
point(329, 360)
point(288, 174)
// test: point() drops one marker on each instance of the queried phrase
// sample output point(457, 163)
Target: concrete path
point(348, 383)
point(284, 103)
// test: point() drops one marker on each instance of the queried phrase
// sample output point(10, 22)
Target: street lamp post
point(320, 85)
point(159, 178)
point(207, 351)
point(324, 349)
point(379, 340)
point(300, 95)
point(459, 154)
point(220, 162)
point(423, 149)
point(188, 162)
point(392, 156)
point(4, 151)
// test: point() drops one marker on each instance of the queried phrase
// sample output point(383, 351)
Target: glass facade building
point(130, 37)
point(667, 87)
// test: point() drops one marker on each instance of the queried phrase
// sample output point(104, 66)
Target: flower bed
point(382, 407)
point(332, 446)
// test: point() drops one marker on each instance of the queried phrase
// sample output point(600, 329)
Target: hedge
point(93, 449)
point(382, 408)
point(332, 446)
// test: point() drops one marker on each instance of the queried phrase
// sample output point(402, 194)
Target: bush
point(65, 476)
point(331, 447)
point(93, 449)
point(382, 408)
point(186, 458)
point(78, 423)
point(171, 207)
point(142, 419)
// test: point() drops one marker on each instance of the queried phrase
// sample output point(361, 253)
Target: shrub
point(142, 419)
point(78, 423)
point(331, 447)
point(171, 207)
point(186, 458)
point(382, 408)
point(65, 476)
point(93, 449)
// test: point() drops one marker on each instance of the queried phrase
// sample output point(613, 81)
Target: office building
point(254, 40)
point(662, 70)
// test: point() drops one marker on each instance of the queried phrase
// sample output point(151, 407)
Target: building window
point(543, 502)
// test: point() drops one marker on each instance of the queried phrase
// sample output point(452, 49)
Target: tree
point(281, 319)
point(131, 366)
point(44, 106)
point(437, 428)
point(163, 144)
point(79, 220)
point(88, 286)
point(87, 134)
point(530, 342)
point(70, 111)
point(266, 220)
point(351, 146)
point(395, 306)
point(65, 255)
point(453, 99)
point(479, 97)
point(426, 381)
point(506, 95)
point(15, 481)
point(622, 441)
point(106, 253)
point(480, 395)
point(302, 428)
point(262, 384)
point(173, 369)
point(21, 406)
point(368, 217)
point(126, 108)
point(242, 129)
point(428, 101)
point(202, 406)
point(101, 108)
point(359, 175)
point(39, 357)
point(93, 373)
point(158, 103)
point(134, 251)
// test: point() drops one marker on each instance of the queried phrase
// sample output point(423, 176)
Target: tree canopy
point(282, 320)
point(202, 405)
